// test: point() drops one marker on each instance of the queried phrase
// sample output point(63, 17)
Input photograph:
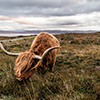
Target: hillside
point(76, 73)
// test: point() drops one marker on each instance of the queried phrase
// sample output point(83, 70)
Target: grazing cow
point(42, 53)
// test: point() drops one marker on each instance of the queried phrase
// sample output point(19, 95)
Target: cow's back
point(42, 42)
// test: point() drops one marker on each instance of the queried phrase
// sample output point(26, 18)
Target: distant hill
point(49, 31)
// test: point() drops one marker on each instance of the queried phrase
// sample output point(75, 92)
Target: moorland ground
point(76, 73)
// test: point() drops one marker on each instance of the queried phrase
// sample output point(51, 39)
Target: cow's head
point(27, 62)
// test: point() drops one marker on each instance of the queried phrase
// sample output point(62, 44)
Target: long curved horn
point(9, 53)
point(38, 57)
point(45, 53)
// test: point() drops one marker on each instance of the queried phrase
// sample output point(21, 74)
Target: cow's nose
point(19, 79)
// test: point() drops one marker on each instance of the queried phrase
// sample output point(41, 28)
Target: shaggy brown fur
point(26, 64)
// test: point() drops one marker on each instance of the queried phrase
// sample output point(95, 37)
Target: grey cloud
point(65, 21)
point(37, 3)
point(47, 7)
point(69, 23)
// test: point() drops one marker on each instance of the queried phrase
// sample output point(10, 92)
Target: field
point(76, 73)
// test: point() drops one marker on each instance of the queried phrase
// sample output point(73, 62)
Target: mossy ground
point(76, 73)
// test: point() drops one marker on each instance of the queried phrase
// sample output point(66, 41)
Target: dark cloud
point(37, 3)
point(47, 7)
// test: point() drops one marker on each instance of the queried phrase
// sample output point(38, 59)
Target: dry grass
point(76, 74)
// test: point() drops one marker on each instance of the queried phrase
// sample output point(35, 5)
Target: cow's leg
point(51, 65)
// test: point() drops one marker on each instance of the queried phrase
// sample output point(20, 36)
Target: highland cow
point(42, 53)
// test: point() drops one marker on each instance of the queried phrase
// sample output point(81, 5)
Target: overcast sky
point(50, 14)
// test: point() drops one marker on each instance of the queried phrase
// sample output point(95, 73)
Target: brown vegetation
point(76, 73)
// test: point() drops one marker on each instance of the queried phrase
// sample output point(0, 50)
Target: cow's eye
point(36, 53)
